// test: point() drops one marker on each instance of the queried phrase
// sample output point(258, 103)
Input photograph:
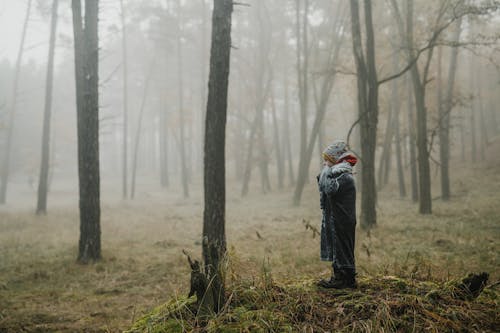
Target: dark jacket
point(338, 203)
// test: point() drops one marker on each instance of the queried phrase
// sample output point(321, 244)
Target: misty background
point(167, 56)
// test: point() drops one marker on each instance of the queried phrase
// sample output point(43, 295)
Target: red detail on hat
point(350, 158)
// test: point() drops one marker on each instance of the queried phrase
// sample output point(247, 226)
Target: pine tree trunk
point(444, 117)
point(125, 104)
point(473, 150)
point(182, 139)
point(86, 74)
point(4, 170)
point(425, 200)
point(139, 130)
point(214, 236)
point(203, 71)
point(321, 106)
point(44, 165)
point(399, 158)
point(280, 165)
point(302, 79)
point(287, 148)
point(367, 109)
point(412, 143)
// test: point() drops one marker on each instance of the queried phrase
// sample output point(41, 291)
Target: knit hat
point(334, 151)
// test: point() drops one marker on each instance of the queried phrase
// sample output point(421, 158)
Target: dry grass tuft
point(380, 304)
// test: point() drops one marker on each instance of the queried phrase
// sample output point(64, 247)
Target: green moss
point(383, 303)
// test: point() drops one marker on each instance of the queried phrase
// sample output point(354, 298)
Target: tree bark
point(302, 79)
point(86, 74)
point(214, 236)
point(182, 139)
point(4, 175)
point(44, 165)
point(287, 149)
point(444, 117)
point(125, 104)
point(412, 143)
point(367, 85)
point(139, 129)
point(321, 106)
point(280, 163)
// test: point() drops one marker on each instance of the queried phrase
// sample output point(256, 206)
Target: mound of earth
point(383, 303)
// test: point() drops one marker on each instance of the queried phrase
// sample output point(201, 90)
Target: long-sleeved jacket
point(338, 203)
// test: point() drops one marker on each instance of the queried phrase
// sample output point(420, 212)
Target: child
point(338, 225)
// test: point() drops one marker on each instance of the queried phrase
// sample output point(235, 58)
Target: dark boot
point(343, 279)
point(333, 279)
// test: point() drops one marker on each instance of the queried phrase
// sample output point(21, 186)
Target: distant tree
point(333, 46)
point(367, 85)
point(4, 170)
point(87, 105)
point(214, 235)
point(125, 103)
point(445, 107)
point(44, 165)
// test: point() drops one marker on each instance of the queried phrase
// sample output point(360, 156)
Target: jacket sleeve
point(332, 184)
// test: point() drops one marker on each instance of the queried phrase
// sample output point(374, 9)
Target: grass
point(42, 288)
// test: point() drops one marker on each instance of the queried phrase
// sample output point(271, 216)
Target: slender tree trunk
point(203, 81)
point(44, 165)
point(125, 103)
point(368, 109)
point(163, 146)
point(444, 116)
point(302, 79)
point(86, 73)
point(321, 105)
point(214, 236)
point(425, 200)
point(4, 175)
point(287, 149)
point(399, 158)
point(473, 150)
point(412, 143)
point(482, 126)
point(249, 160)
point(182, 139)
point(386, 148)
point(280, 165)
point(139, 130)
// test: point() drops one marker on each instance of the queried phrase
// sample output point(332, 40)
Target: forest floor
point(42, 288)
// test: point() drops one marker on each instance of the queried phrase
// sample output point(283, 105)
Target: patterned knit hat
point(335, 151)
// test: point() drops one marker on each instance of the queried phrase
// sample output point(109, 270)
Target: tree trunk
point(425, 200)
point(182, 139)
point(302, 79)
point(399, 158)
point(473, 150)
point(412, 144)
point(163, 146)
point(139, 129)
point(4, 176)
point(287, 148)
point(203, 71)
point(125, 103)
point(321, 106)
point(214, 236)
point(86, 74)
point(44, 165)
point(444, 117)
point(280, 164)
point(367, 85)
point(249, 160)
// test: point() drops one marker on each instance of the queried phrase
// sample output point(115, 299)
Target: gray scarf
point(334, 171)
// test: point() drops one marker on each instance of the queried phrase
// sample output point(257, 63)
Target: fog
point(293, 87)
point(264, 43)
